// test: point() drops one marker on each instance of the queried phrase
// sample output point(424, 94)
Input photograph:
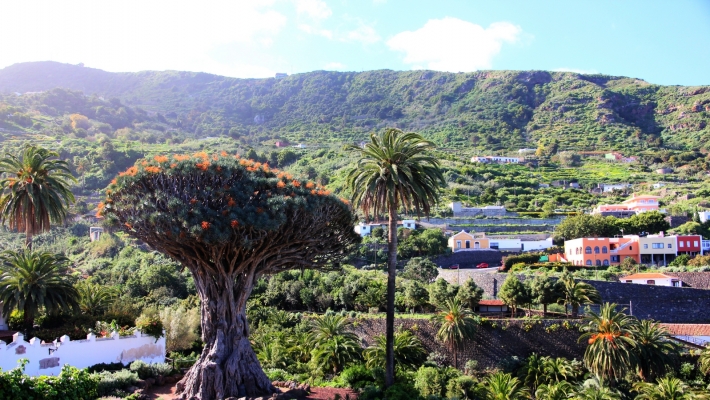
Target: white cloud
point(132, 35)
point(315, 9)
point(575, 70)
point(334, 66)
point(454, 45)
point(363, 34)
point(316, 31)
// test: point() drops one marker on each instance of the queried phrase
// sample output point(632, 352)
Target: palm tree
point(334, 345)
point(335, 353)
point(394, 172)
point(558, 369)
point(666, 389)
point(30, 281)
point(554, 391)
point(408, 351)
point(456, 324)
point(330, 326)
point(500, 386)
point(576, 293)
point(35, 191)
point(533, 371)
point(593, 389)
point(654, 350)
point(610, 353)
point(704, 360)
point(94, 299)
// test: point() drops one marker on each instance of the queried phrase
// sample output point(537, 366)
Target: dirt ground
point(167, 392)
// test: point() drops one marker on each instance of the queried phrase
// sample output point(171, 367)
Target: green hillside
point(483, 111)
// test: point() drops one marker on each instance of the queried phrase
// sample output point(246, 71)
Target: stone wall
point(665, 304)
point(695, 280)
point(469, 259)
point(490, 221)
point(491, 343)
point(503, 228)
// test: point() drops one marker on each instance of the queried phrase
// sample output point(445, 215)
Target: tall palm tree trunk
point(28, 228)
point(391, 273)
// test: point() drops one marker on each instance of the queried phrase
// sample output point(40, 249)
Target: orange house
point(601, 251)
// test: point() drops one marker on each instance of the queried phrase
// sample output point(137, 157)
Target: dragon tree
point(229, 221)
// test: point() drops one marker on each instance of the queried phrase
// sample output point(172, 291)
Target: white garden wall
point(48, 358)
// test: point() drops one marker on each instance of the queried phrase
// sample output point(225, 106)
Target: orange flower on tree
point(205, 225)
point(161, 159)
point(234, 223)
point(152, 169)
point(310, 185)
point(193, 201)
point(181, 157)
point(280, 185)
point(223, 153)
point(203, 165)
point(231, 202)
point(296, 183)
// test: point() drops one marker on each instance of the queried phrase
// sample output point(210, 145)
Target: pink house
point(636, 204)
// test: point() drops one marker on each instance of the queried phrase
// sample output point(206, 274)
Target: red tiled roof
point(650, 275)
point(491, 303)
point(688, 329)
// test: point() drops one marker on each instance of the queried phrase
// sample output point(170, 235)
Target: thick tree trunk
point(391, 273)
point(228, 366)
point(544, 310)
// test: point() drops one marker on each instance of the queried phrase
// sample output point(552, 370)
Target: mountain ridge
point(482, 111)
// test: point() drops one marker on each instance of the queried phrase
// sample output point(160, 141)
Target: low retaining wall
point(48, 358)
point(469, 258)
point(493, 341)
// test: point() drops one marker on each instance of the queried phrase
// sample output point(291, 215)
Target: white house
point(530, 245)
point(704, 216)
point(492, 306)
point(364, 229)
point(496, 159)
point(609, 187)
point(652, 279)
point(505, 244)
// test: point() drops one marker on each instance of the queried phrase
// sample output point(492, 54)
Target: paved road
point(461, 275)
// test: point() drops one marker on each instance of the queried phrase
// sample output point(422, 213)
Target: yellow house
point(468, 241)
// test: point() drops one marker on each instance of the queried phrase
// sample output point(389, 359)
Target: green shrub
point(431, 381)
point(146, 371)
point(463, 388)
point(110, 382)
point(277, 374)
point(149, 323)
point(402, 391)
point(71, 384)
point(357, 376)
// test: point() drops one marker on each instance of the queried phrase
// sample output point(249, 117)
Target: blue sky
point(661, 41)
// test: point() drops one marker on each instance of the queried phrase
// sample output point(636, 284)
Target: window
point(604, 250)
point(628, 281)
point(606, 262)
point(645, 245)
point(680, 244)
point(596, 249)
point(650, 282)
point(599, 263)
point(670, 245)
point(675, 283)
point(656, 245)
point(468, 244)
point(458, 244)
point(588, 250)
point(695, 243)
point(631, 248)
point(589, 262)
point(614, 258)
